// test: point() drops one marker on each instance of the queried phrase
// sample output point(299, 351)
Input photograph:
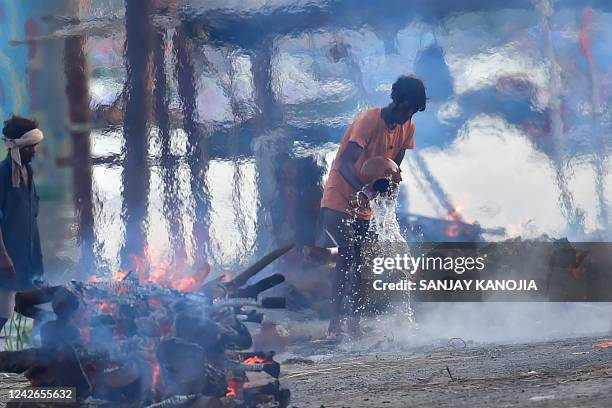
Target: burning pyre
point(140, 343)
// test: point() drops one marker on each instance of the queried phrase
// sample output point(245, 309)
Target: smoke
point(493, 323)
point(474, 323)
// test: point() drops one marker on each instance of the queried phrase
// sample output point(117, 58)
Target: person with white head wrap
point(29, 138)
point(20, 248)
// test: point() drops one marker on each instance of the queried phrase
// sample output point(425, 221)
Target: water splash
point(387, 241)
point(384, 222)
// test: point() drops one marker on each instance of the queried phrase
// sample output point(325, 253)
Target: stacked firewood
point(129, 343)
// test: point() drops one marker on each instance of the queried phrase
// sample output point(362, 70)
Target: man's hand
point(368, 191)
point(7, 269)
point(397, 177)
point(363, 197)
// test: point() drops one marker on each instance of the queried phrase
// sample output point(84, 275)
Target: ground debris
point(298, 360)
point(518, 373)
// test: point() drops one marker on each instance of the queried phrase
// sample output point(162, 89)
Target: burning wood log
point(26, 302)
point(58, 367)
point(17, 362)
point(258, 266)
point(212, 287)
point(134, 343)
point(185, 370)
point(254, 290)
point(120, 377)
point(55, 333)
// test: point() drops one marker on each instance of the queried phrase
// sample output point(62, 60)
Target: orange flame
point(119, 276)
point(234, 385)
point(150, 267)
point(605, 344)
point(455, 214)
point(452, 231)
point(156, 385)
point(255, 360)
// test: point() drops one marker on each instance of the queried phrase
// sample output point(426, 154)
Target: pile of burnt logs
point(129, 343)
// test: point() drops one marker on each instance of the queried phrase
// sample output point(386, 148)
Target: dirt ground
point(560, 373)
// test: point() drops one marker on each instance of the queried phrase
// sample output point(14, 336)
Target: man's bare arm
point(6, 264)
point(400, 157)
point(398, 160)
point(347, 165)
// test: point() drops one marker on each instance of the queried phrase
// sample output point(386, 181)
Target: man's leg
point(335, 229)
point(361, 231)
point(339, 284)
point(7, 305)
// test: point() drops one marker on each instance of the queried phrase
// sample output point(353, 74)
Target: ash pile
point(124, 343)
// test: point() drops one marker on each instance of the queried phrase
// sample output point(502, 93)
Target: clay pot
point(271, 336)
point(378, 171)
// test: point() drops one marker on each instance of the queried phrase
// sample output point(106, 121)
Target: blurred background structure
point(193, 132)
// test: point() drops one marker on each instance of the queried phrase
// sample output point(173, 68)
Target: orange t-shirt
point(371, 133)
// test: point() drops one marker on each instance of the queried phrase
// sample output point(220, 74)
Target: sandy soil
point(560, 373)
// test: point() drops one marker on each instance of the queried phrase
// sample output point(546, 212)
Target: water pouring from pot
point(381, 176)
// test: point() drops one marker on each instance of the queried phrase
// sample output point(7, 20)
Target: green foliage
point(17, 332)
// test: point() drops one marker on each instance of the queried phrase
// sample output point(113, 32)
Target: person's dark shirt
point(18, 212)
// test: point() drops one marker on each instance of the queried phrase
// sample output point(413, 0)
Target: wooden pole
point(136, 174)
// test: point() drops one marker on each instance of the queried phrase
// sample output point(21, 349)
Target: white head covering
point(29, 138)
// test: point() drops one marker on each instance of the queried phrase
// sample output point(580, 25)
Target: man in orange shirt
point(343, 221)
